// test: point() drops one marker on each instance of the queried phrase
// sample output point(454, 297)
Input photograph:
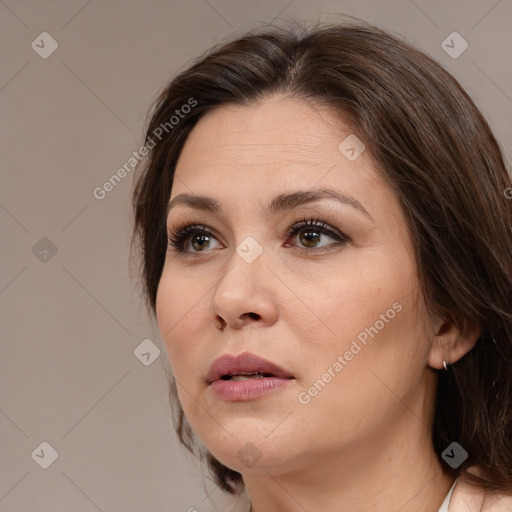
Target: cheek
point(345, 299)
point(178, 303)
point(370, 317)
point(364, 391)
point(382, 343)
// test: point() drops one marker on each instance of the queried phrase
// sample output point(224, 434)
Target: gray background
point(70, 321)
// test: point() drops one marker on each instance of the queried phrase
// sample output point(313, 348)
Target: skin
point(363, 442)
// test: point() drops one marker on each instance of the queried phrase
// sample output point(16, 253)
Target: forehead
point(273, 141)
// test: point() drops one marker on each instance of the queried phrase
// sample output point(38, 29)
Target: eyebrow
point(280, 203)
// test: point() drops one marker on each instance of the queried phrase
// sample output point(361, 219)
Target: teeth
point(247, 376)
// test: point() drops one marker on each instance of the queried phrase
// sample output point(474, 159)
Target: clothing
point(446, 502)
point(243, 502)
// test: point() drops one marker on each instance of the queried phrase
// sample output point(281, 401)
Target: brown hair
point(437, 152)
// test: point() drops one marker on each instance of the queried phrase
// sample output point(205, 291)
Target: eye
point(310, 232)
point(200, 236)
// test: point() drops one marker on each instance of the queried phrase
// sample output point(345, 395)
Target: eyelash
point(178, 235)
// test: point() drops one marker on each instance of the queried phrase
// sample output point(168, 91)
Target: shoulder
point(468, 498)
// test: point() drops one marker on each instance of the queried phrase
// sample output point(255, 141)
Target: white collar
point(446, 502)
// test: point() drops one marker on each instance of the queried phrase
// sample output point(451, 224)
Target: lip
point(244, 363)
point(250, 389)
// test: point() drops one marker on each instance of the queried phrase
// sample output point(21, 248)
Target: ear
point(449, 345)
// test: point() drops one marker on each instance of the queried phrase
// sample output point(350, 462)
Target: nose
point(245, 295)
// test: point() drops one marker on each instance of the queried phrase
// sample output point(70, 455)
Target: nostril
point(219, 323)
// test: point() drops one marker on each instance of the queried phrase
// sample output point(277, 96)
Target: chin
point(247, 450)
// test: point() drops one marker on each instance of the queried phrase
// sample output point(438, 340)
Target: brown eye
point(199, 236)
point(202, 242)
point(310, 237)
point(311, 231)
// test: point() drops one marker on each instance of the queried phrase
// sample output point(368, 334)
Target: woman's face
point(336, 305)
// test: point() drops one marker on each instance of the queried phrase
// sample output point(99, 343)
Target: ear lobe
point(449, 345)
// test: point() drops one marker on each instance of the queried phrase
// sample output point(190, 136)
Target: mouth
point(245, 366)
point(247, 376)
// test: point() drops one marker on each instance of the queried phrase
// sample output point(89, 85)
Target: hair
point(437, 152)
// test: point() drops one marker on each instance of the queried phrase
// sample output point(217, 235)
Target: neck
point(404, 475)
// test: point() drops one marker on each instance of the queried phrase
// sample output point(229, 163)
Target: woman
point(326, 246)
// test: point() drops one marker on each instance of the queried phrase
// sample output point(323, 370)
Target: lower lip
point(243, 390)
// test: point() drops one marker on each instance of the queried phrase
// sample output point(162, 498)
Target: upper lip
point(244, 363)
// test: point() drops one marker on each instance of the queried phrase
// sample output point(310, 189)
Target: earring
point(445, 367)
